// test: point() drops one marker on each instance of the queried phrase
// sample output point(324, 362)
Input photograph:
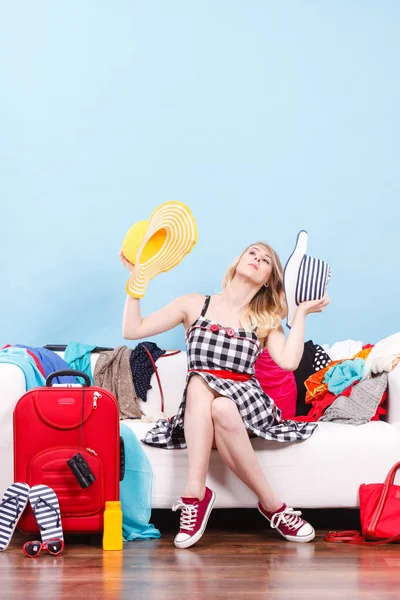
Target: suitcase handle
point(68, 372)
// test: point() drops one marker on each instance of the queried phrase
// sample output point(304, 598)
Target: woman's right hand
point(126, 262)
point(313, 306)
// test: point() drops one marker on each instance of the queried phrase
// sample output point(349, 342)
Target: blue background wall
point(264, 117)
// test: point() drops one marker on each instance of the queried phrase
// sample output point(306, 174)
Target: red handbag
point(379, 514)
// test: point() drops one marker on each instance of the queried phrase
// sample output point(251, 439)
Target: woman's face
point(256, 264)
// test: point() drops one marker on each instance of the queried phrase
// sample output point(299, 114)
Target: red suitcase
point(51, 425)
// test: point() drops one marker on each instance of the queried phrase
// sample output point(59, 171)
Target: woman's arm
point(135, 327)
point(287, 353)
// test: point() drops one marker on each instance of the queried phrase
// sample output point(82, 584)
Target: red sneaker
point(194, 517)
point(289, 524)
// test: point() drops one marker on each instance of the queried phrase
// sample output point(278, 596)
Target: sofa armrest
point(393, 414)
point(12, 387)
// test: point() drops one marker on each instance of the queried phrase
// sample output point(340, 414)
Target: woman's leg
point(236, 451)
point(199, 435)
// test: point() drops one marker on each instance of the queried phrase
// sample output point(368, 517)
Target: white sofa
point(324, 471)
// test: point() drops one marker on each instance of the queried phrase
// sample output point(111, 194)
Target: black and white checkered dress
point(214, 347)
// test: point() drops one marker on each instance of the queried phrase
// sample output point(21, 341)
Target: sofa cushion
point(324, 471)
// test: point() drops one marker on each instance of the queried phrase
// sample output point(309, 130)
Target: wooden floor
point(247, 563)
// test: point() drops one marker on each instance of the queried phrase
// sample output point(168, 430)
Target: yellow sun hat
point(158, 244)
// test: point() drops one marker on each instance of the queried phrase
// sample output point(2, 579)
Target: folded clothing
point(77, 356)
point(344, 349)
point(21, 358)
point(315, 386)
point(142, 366)
point(344, 374)
point(35, 358)
point(136, 490)
point(384, 356)
point(321, 398)
point(278, 384)
point(361, 405)
point(313, 361)
point(50, 362)
point(113, 372)
point(319, 406)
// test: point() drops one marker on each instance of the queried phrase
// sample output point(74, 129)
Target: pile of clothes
point(343, 384)
point(35, 363)
point(287, 388)
point(340, 393)
point(124, 371)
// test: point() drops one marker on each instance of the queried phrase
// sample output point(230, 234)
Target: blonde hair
point(268, 307)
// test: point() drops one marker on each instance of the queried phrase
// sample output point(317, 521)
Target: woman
point(223, 404)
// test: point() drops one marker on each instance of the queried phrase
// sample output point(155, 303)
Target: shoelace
point(289, 516)
point(188, 514)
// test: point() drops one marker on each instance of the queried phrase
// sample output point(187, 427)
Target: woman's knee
point(225, 414)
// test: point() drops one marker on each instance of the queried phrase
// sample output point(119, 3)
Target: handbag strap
point(382, 500)
point(156, 371)
point(351, 536)
point(170, 353)
point(157, 376)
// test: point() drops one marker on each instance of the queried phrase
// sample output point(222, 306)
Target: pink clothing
point(279, 384)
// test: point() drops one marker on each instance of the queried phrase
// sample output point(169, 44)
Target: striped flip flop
point(46, 510)
point(12, 506)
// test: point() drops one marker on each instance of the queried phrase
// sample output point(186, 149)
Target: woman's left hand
point(314, 306)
